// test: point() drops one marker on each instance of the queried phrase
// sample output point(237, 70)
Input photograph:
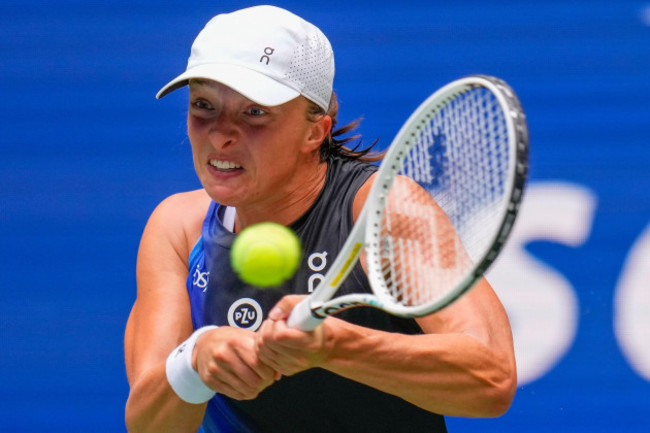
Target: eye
point(256, 111)
point(201, 104)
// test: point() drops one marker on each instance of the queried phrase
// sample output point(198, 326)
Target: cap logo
point(268, 51)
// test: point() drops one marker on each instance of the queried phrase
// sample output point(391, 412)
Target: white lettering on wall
point(541, 303)
point(632, 307)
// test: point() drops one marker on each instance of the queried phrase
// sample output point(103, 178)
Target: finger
point(264, 334)
point(237, 365)
point(283, 308)
point(236, 392)
point(251, 368)
point(278, 334)
point(238, 379)
point(270, 358)
point(283, 359)
point(286, 366)
point(264, 352)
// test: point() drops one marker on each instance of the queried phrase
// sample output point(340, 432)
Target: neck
point(298, 198)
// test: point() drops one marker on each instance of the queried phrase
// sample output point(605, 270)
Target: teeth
point(223, 165)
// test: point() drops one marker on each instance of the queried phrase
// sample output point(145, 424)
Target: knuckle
point(219, 355)
point(212, 369)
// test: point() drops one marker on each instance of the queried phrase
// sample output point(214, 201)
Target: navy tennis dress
point(316, 400)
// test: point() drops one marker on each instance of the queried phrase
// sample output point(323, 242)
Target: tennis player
point(203, 348)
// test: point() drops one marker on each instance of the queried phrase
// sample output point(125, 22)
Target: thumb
point(283, 308)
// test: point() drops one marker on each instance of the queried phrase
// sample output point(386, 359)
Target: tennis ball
point(265, 254)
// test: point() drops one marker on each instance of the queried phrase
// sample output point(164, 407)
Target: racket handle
point(301, 317)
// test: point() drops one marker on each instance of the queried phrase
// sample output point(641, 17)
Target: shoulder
point(184, 203)
point(357, 166)
point(356, 175)
point(179, 218)
point(362, 196)
point(183, 209)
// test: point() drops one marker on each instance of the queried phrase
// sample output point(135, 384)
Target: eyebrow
point(193, 82)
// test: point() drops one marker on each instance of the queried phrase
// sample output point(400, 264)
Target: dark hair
point(335, 145)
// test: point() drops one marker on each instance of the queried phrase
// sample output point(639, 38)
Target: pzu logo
point(246, 313)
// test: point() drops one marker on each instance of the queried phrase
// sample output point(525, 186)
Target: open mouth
point(224, 165)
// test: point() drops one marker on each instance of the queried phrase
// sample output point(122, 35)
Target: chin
point(222, 195)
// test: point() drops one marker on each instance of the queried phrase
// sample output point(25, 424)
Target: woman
point(261, 112)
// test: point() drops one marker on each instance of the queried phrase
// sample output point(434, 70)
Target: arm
point(463, 365)
point(160, 320)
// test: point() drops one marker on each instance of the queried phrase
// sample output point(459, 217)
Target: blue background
point(87, 153)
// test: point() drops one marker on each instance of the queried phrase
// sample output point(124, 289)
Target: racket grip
point(301, 317)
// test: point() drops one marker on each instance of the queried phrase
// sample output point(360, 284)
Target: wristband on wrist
point(183, 379)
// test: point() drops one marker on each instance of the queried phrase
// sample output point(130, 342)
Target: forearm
point(450, 374)
point(154, 407)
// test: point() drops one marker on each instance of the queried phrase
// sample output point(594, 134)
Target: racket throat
point(322, 310)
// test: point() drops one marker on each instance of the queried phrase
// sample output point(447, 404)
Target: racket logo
point(245, 313)
point(323, 312)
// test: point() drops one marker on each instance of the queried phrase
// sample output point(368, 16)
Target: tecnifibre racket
point(441, 207)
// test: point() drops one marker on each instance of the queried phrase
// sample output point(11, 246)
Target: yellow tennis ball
point(265, 254)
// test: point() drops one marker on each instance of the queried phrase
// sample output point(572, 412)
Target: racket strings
point(441, 214)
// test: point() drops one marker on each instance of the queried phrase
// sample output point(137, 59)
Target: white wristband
point(184, 380)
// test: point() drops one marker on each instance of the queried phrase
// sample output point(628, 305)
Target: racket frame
point(408, 135)
point(312, 310)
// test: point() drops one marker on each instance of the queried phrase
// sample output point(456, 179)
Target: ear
point(317, 132)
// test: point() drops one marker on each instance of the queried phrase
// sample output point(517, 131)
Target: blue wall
point(87, 152)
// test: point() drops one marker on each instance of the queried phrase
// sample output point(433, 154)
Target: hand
point(289, 350)
point(227, 362)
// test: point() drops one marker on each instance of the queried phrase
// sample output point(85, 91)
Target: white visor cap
point(265, 53)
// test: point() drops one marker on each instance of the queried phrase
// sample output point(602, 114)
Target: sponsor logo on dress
point(200, 279)
point(317, 262)
point(245, 313)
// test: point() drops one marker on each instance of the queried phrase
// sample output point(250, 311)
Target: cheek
point(195, 157)
point(307, 137)
point(196, 133)
point(196, 149)
point(193, 130)
point(295, 138)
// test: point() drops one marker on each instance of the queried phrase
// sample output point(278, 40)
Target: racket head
point(446, 195)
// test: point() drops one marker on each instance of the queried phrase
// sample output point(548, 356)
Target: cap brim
point(251, 84)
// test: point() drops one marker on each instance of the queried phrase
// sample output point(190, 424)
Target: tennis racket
point(441, 207)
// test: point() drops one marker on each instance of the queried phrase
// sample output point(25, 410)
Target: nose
point(224, 131)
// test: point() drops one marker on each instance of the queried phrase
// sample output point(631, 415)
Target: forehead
point(215, 89)
point(199, 84)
